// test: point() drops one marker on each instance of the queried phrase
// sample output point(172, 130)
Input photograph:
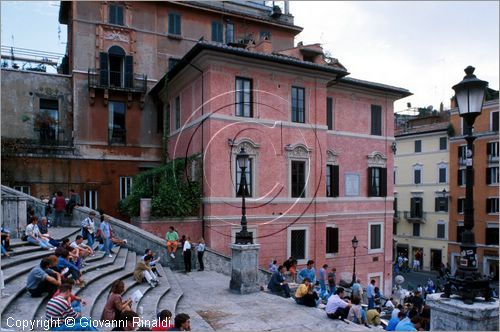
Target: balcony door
point(117, 68)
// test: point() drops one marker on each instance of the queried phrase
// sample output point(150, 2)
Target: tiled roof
point(428, 128)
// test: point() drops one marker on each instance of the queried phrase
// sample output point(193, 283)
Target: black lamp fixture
point(394, 147)
point(354, 246)
point(467, 282)
point(243, 236)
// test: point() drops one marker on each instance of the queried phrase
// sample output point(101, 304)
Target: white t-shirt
point(187, 246)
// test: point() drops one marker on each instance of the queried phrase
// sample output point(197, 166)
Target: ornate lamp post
point(354, 246)
point(243, 236)
point(467, 281)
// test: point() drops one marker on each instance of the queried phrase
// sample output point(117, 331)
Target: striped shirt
point(58, 309)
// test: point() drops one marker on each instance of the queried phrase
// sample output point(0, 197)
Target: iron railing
point(415, 216)
point(113, 80)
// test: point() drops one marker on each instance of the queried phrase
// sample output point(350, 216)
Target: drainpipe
point(202, 148)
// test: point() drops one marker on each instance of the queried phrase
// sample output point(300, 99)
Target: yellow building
point(421, 176)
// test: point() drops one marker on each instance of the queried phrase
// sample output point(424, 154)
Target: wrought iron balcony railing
point(112, 80)
point(415, 216)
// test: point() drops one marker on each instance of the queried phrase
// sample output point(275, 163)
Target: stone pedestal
point(145, 209)
point(245, 268)
point(454, 315)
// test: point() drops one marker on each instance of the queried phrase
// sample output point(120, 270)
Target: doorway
point(436, 259)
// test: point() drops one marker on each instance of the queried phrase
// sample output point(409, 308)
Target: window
point(492, 205)
point(90, 199)
point(217, 32)
point(492, 175)
point(417, 175)
point(125, 186)
point(172, 62)
point(265, 35)
point(116, 122)
point(460, 205)
point(298, 178)
point(460, 231)
point(329, 113)
point(492, 151)
point(416, 207)
point(377, 182)
point(394, 176)
point(115, 14)
point(461, 177)
point(298, 105)
point(47, 121)
point(418, 146)
point(248, 175)
point(376, 118)
point(441, 228)
point(462, 154)
point(443, 176)
point(298, 244)
point(443, 143)
point(332, 240)
point(491, 234)
point(332, 181)
point(375, 237)
point(494, 121)
point(229, 33)
point(416, 229)
point(174, 24)
point(159, 118)
point(177, 112)
point(23, 189)
point(441, 204)
point(116, 68)
point(394, 228)
point(244, 97)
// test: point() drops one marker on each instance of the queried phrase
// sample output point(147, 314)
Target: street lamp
point(243, 236)
point(354, 246)
point(467, 281)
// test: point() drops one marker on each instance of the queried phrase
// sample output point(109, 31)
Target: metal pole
point(243, 206)
point(354, 268)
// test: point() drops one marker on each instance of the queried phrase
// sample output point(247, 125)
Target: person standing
point(332, 279)
point(322, 280)
point(172, 239)
point(357, 290)
point(74, 200)
point(88, 228)
point(59, 207)
point(370, 294)
point(186, 252)
point(106, 236)
point(308, 272)
point(200, 249)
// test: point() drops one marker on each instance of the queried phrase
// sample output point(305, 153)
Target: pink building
point(319, 145)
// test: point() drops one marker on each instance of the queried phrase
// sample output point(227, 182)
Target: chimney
point(264, 46)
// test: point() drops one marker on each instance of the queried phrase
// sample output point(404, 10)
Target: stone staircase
point(99, 273)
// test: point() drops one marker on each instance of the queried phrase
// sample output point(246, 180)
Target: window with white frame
point(492, 205)
point(460, 205)
point(492, 151)
point(125, 186)
point(375, 237)
point(90, 199)
point(298, 243)
point(492, 175)
point(461, 177)
point(491, 237)
point(298, 178)
point(442, 173)
point(23, 189)
point(441, 230)
point(443, 143)
point(249, 172)
point(462, 154)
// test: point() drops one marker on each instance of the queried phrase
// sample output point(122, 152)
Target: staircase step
point(170, 299)
point(150, 301)
point(21, 300)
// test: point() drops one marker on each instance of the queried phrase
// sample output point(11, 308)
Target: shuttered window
point(460, 205)
point(492, 175)
point(416, 207)
point(443, 143)
point(377, 182)
point(441, 231)
point(298, 105)
point(329, 113)
point(217, 32)
point(244, 97)
point(298, 178)
point(494, 121)
point(441, 204)
point(492, 205)
point(376, 120)
point(174, 24)
point(332, 181)
point(375, 236)
point(115, 14)
point(332, 240)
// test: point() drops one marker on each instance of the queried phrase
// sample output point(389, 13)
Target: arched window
point(116, 68)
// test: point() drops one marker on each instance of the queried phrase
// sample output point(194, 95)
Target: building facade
point(485, 187)
point(421, 191)
point(152, 81)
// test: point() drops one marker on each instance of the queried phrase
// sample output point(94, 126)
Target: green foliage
point(172, 193)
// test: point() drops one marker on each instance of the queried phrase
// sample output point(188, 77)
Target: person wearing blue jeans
point(322, 281)
point(370, 294)
point(88, 229)
point(34, 236)
point(106, 236)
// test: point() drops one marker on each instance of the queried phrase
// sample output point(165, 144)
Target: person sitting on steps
point(336, 307)
point(143, 272)
point(154, 260)
point(278, 284)
point(172, 239)
point(305, 294)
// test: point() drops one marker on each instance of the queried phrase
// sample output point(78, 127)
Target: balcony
point(43, 146)
point(120, 81)
point(415, 216)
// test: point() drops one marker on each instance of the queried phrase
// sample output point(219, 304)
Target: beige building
point(421, 177)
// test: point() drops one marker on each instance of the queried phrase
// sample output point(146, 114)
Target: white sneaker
point(172, 255)
point(110, 256)
point(125, 241)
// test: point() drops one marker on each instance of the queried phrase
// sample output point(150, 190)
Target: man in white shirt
point(82, 249)
point(186, 252)
point(336, 307)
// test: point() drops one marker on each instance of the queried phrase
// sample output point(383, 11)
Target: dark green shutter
point(376, 120)
point(103, 70)
point(119, 15)
point(129, 71)
point(445, 201)
point(412, 207)
point(369, 182)
point(329, 113)
point(488, 149)
point(488, 175)
point(335, 177)
point(488, 205)
point(383, 182)
point(436, 203)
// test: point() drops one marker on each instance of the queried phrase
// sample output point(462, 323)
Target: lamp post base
point(244, 237)
point(468, 285)
point(245, 268)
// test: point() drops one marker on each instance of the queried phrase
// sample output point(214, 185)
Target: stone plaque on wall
point(352, 184)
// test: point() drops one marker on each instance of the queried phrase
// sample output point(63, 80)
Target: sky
point(422, 46)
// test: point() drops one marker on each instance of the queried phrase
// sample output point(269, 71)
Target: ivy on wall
point(172, 192)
